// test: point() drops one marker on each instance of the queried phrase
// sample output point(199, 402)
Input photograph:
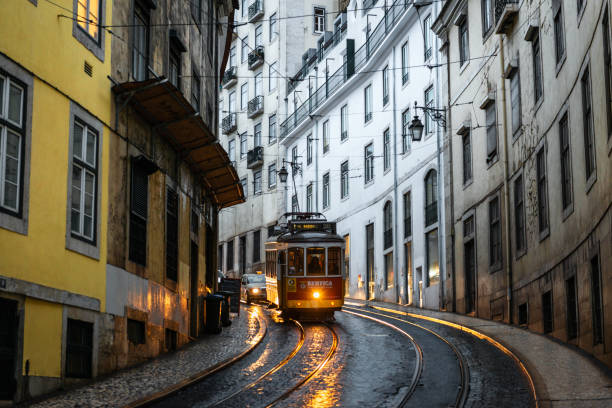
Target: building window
point(559, 30)
point(195, 91)
point(229, 259)
point(433, 264)
point(273, 27)
point(367, 103)
point(495, 247)
point(407, 215)
point(596, 306)
point(244, 49)
point(231, 102)
point(344, 122)
point(537, 68)
point(138, 214)
point(487, 16)
point(232, 57)
point(431, 198)
point(319, 20)
point(566, 163)
point(547, 312)
point(259, 36)
point(245, 186)
point(309, 149)
point(385, 81)
point(326, 136)
point(79, 349)
point(542, 191)
point(257, 135)
point(571, 307)
point(309, 206)
point(519, 215)
point(388, 225)
point(172, 205)
point(587, 119)
point(174, 69)
point(389, 270)
point(406, 131)
point(491, 119)
point(88, 12)
point(467, 157)
point(272, 175)
point(405, 62)
point(294, 203)
point(273, 77)
point(344, 179)
point(523, 317)
point(294, 157)
point(386, 150)
point(326, 190)
point(256, 246)
point(464, 47)
point(427, 37)
point(242, 249)
point(244, 96)
point(605, 28)
point(136, 331)
point(272, 129)
point(259, 84)
point(140, 46)
point(515, 100)
point(196, 10)
point(243, 145)
point(429, 103)
point(257, 182)
point(469, 264)
point(368, 156)
point(231, 150)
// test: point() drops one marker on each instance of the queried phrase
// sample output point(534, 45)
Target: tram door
point(281, 276)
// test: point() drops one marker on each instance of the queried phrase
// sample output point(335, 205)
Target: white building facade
point(347, 136)
point(268, 41)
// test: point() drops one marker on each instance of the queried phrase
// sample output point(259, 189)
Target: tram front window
point(315, 259)
point(333, 261)
point(296, 262)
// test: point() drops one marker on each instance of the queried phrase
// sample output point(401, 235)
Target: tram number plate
point(291, 285)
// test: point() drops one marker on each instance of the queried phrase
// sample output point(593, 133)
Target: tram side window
point(282, 262)
point(333, 261)
point(296, 262)
point(315, 259)
point(271, 264)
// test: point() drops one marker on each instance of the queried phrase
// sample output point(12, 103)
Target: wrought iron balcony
point(255, 157)
point(255, 106)
point(431, 213)
point(229, 77)
point(506, 12)
point(256, 10)
point(228, 124)
point(256, 57)
point(388, 238)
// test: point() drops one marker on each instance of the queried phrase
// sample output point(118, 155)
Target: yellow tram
point(304, 270)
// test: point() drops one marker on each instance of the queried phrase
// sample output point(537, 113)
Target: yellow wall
point(42, 343)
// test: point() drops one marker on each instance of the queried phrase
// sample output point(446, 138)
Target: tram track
point(462, 393)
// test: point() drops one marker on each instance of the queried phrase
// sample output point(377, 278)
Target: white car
point(253, 287)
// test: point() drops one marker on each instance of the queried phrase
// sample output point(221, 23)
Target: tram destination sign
point(313, 226)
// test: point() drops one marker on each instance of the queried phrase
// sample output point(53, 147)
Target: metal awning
point(163, 106)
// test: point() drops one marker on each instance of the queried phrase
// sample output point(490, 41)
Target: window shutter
point(138, 215)
point(140, 187)
point(172, 235)
point(491, 132)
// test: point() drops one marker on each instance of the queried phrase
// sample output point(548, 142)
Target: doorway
point(9, 323)
point(408, 275)
point(193, 280)
point(470, 277)
point(370, 261)
point(242, 255)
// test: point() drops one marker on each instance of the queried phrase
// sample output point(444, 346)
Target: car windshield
point(256, 279)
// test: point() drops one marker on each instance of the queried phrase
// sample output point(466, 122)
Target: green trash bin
point(213, 313)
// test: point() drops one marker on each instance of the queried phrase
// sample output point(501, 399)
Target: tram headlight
point(255, 291)
point(316, 295)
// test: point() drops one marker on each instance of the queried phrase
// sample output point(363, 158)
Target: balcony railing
point(388, 238)
point(431, 213)
point(256, 10)
point(228, 124)
point(256, 57)
point(229, 77)
point(255, 157)
point(407, 227)
point(505, 14)
point(255, 106)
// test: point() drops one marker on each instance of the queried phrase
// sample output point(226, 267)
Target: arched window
point(388, 225)
point(431, 198)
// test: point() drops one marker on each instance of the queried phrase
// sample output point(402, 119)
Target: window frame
point(325, 193)
point(387, 150)
point(344, 122)
point(406, 139)
point(272, 176)
point(385, 83)
point(95, 46)
point(319, 21)
point(565, 164)
point(518, 192)
point(405, 50)
point(538, 78)
point(325, 128)
point(467, 173)
point(140, 13)
point(516, 108)
point(542, 192)
point(344, 179)
point(196, 90)
point(367, 103)
point(368, 162)
point(257, 182)
point(272, 23)
point(495, 228)
point(464, 42)
point(558, 32)
point(590, 154)
point(272, 129)
point(487, 16)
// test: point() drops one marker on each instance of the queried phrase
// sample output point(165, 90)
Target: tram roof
point(308, 237)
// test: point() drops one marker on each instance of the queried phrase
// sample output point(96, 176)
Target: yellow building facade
point(55, 107)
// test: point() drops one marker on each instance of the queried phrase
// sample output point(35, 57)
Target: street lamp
point(416, 126)
point(282, 175)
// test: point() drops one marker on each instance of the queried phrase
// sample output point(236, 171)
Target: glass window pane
point(296, 262)
point(94, 7)
point(74, 221)
point(1, 96)
point(77, 143)
point(14, 109)
point(88, 226)
point(315, 259)
point(91, 148)
point(10, 195)
point(333, 262)
point(82, 13)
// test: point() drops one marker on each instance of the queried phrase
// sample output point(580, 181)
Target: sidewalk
point(563, 376)
point(166, 371)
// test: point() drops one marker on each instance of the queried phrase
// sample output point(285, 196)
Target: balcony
point(256, 10)
point(506, 12)
point(388, 238)
point(228, 124)
point(431, 213)
point(255, 157)
point(256, 57)
point(255, 106)
point(229, 77)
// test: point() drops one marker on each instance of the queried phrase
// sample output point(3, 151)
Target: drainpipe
point(506, 187)
point(451, 192)
point(441, 229)
point(395, 182)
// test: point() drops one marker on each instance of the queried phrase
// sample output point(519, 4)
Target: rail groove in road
point(419, 354)
point(463, 389)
